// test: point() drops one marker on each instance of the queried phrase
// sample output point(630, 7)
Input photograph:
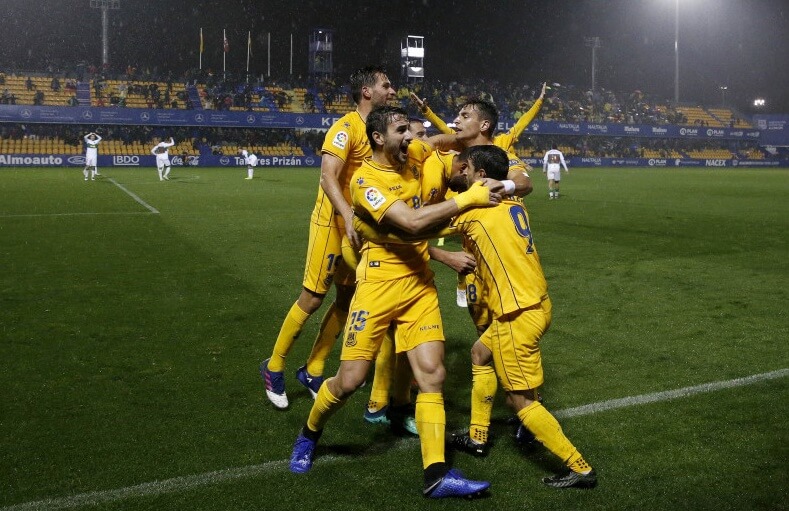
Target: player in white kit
point(552, 164)
point(161, 151)
point(91, 155)
point(251, 160)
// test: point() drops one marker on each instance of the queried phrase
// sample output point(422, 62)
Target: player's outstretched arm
point(425, 110)
point(417, 221)
point(394, 235)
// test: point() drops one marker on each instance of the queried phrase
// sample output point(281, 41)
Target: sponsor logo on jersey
point(350, 339)
point(340, 140)
point(374, 198)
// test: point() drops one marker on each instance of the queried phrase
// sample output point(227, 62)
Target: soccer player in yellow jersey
point(344, 148)
point(390, 390)
point(395, 286)
point(517, 295)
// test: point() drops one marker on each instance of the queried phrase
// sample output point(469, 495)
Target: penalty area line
point(182, 483)
point(134, 196)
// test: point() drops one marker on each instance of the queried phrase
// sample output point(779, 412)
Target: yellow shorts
point(514, 340)
point(324, 260)
point(477, 302)
point(409, 303)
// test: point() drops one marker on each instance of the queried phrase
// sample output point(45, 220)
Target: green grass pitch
point(134, 314)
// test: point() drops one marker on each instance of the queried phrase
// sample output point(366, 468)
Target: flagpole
point(249, 50)
point(201, 47)
point(269, 55)
point(224, 54)
point(291, 54)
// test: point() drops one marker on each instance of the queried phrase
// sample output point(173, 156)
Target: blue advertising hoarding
point(235, 119)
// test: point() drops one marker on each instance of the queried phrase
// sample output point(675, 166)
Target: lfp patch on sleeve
point(374, 198)
point(340, 140)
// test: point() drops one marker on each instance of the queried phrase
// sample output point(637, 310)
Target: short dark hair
point(491, 158)
point(487, 112)
point(379, 119)
point(364, 77)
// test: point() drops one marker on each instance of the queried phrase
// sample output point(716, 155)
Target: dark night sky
point(742, 44)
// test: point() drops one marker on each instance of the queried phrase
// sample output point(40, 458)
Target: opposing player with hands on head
point(251, 161)
point(91, 155)
point(395, 286)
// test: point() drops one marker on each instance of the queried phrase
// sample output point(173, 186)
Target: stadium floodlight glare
point(758, 102)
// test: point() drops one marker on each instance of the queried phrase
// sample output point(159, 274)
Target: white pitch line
point(183, 483)
point(134, 196)
point(28, 215)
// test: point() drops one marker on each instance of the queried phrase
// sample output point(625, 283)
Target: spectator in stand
point(29, 84)
point(55, 85)
point(38, 98)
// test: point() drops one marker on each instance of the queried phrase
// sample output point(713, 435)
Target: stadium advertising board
point(774, 129)
point(213, 160)
point(228, 119)
point(204, 160)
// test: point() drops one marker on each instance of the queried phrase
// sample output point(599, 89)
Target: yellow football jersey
point(374, 189)
point(435, 176)
point(347, 140)
point(507, 261)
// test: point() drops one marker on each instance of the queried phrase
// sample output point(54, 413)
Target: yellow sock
point(431, 423)
point(382, 379)
point(547, 430)
point(401, 382)
point(323, 408)
point(288, 333)
point(331, 325)
point(483, 390)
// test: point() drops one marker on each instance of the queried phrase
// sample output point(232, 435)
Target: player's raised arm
point(425, 110)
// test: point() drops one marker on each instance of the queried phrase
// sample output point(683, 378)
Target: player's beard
point(458, 183)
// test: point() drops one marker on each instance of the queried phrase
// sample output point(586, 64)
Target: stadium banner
point(774, 129)
point(148, 160)
point(636, 130)
point(578, 161)
point(216, 160)
point(249, 119)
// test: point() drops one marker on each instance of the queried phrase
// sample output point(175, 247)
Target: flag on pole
point(249, 43)
point(201, 40)
point(225, 44)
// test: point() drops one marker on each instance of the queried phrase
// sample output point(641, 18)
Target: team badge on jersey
point(374, 198)
point(340, 140)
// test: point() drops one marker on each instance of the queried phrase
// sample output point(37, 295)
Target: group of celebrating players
point(385, 189)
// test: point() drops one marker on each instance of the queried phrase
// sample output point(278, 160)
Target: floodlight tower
point(105, 6)
point(320, 52)
point(594, 43)
point(676, 52)
point(412, 58)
